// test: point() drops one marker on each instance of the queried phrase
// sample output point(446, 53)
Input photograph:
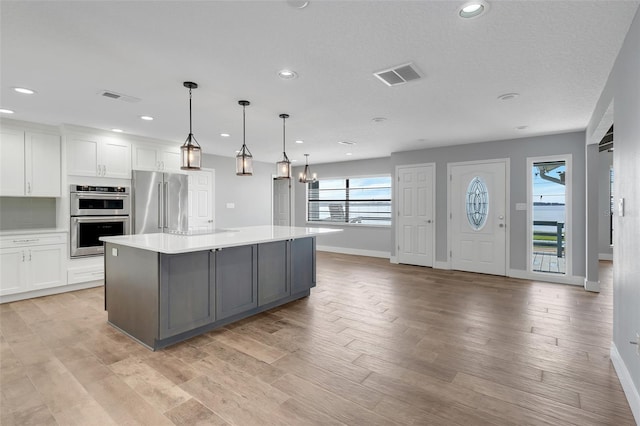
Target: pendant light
point(283, 167)
point(190, 151)
point(244, 159)
point(306, 176)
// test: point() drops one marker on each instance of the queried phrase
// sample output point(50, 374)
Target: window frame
point(342, 224)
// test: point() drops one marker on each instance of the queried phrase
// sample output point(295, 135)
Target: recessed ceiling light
point(473, 9)
point(287, 74)
point(117, 130)
point(349, 153)
point(225, 135)
point(522, 127)
point(146, 117)
point(298, 4)
point(508, 96)
point(346, 143)
point(299, 141)
point(6, 111)
point(24, 90)
point(378, 119)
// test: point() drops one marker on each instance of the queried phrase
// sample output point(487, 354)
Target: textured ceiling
point(556, 54)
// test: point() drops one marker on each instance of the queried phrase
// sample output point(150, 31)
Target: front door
point(477, 216)
point(415, 215)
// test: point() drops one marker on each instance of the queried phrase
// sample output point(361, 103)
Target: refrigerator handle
point(160, 204)
point(166, 204)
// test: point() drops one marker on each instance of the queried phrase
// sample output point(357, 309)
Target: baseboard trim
point(593, 286)
point(441, 265)
point(49, 291)
point(550, 278)
point(394, 260)
point(630, 390)
point(605, 256)
point(357, 252)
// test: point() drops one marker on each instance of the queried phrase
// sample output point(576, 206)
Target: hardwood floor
point(375, 344)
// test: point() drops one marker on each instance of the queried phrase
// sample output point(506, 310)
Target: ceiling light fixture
point(521, 127)
point(24, 90)
point(6, 111)
point(190, 151)
point(225, 135)
point(287, 74)
point(117, 130)
point(283, 167)
point(378, 119)
point(298, 4)
point(349, 153)
point(299, 141)
point(346, 143)
point(473, 9)
point(146, 118)
point(508, 96)
point(307, 176)
point(244, 159)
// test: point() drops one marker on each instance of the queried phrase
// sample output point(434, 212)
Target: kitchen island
point(161, 289)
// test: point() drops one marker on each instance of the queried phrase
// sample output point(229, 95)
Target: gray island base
point(160, 298)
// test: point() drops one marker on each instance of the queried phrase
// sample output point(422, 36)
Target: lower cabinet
point(236, 280)
point(27, 265)
point(274, 272)
point(187, 292)
point(303, 264)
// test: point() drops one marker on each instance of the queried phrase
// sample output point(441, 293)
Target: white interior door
point(281, 202)
point(201, 198)
point(477, 217)
point(415, 215)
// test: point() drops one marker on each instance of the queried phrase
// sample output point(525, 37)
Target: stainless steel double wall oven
point(97, 211)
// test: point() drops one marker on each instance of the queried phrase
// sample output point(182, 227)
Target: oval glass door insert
point(477, 203)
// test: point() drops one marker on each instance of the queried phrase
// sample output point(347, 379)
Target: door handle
point(502, 225)
point(160, 204)
point(166, 204)
point(428, 220)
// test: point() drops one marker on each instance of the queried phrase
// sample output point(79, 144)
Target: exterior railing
point(559, 234)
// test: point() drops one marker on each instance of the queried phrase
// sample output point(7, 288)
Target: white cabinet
point(156, 158)
point(29, 164)
point(101, 157)
point(32, 262)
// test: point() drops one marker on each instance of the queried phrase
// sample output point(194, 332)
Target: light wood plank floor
point(375, 344)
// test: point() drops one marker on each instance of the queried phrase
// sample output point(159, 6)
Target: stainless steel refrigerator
point(160, 202)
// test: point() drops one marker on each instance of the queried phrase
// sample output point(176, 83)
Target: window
point(359, 201)
point(611, 208)
point(477, 203)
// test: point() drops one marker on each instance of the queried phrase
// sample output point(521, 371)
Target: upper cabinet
point(101, 157)
point(156, 158)
point(29, 164)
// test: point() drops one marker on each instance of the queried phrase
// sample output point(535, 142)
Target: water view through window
point(549, 217)
point(359, 201)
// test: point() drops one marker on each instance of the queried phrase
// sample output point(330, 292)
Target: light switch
point(231, 205)
point(621, 207)
point(114, 252)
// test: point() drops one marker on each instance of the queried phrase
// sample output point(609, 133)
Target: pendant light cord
point(190, 127)
point(244, 129)
point(284, 151)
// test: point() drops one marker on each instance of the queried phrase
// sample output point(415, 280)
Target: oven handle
point(100, 196)
point(84, 219)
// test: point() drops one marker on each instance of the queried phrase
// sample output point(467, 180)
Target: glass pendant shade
point(244, 159)
point(190, 151)
point(307, 176)
point(190, 154)
point(283, 167)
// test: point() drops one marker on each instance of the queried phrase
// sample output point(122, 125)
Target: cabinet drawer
point(26, 240)
point(85, 274)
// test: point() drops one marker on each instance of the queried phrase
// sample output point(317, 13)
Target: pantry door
point(416, 219)
point(201, 198)
point(478, 216)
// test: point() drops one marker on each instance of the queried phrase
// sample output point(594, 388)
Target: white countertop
point(12, 232)
point(232, 237)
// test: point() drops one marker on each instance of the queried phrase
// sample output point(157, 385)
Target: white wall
point(368, 240)
point(250, 195)
point(623, 89)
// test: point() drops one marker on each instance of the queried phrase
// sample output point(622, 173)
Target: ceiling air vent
point(398, 75)
point(115, 95)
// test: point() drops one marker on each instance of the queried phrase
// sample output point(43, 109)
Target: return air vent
point(115, 95)
point(398, 75)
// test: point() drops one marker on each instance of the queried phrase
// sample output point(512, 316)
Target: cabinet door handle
point(29, 255)
point(23, 255)
point(162, 165)
point(104, 170)
point(28, 187)
point(30, 240)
